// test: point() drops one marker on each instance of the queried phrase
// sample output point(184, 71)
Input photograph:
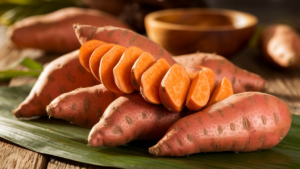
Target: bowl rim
point(151, 19)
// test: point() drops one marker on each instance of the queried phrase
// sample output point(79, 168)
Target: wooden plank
point(60, 163)
point(15, 157)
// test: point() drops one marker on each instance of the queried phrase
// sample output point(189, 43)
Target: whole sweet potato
point(54, 32)
point(130, 118)
point(241, 79)
point(83, 106)
point(281, 46)
point(240, 123)
point(60, 76)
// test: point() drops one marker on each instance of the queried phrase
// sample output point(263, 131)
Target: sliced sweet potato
point(139, 67)
point(208, 72)
point(122, 71)
point(107, 64)
point(222, 91)
point(199, 92)
point(96, 57)
point(86, 51)
point(174, 88)
point(151, 80)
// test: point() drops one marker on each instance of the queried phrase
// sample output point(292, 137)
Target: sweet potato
point(130, 118)
point(199, 92)
point(222, 91)
point(53, 32)
point(280, 45)
point(83, 106)
point(108, 62)
point(60, 76)
point(122, 71)
point(139, 67)
point(151, 80)
point(241, 79)
point(122, 37)
point(243, 122)
point(86, 51)
point(96, 57)
point(174, 88)
point(210, 75)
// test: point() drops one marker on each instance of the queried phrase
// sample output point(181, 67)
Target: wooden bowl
point(183, 31)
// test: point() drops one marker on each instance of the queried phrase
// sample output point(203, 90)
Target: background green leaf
point(15, 10)
point(58, 138)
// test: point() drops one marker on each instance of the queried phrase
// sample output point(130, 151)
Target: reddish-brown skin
point(83, 106)
point(122, 37)
point(60, 76)
point(54, 32)
point(130, 118)
point(241, 79)
point(281, 46)
point(243, 122)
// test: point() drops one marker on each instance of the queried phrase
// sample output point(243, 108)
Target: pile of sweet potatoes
point(144, 91)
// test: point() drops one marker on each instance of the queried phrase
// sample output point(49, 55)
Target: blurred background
point(133, 11)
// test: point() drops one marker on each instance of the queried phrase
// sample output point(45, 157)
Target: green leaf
point(27, 62)
point(59, 138)
point(8, 74)
point(31, 64)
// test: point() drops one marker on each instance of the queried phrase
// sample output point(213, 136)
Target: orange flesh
point(151, 79)
point(139, 67)
point(86, 51)
point(222, 91)
point(96, 58)
point(176, 85)
point(107, 64)
point(199, 92)
point(122, 71)
point(209, 74)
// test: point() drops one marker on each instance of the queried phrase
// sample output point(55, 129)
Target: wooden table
point(284, 84)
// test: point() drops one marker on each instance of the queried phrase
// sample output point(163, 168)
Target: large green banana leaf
point(58, 138)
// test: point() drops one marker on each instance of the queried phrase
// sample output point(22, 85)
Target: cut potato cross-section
point(96, 58)
point(107, 64)
point(199, 92)
point(174, 88)
point(222, 91)
point(151, 80)
point(122, 71)
point(139, 67)
point(86, 51)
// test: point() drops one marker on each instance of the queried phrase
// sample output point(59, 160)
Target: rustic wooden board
point(15, 157)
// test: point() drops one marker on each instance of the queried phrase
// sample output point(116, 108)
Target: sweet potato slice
point(107, 64)
point(174, 88)
point(199, 92)
point(122, 71)
point(96, 58)
point(86, 51)
point(151, 80)
point(208, 72)
point(139, 67)
point(222, 91)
